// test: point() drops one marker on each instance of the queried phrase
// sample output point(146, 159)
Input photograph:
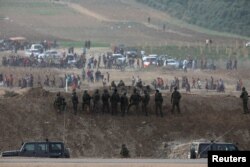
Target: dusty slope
point(30, 116)
point(121, 22)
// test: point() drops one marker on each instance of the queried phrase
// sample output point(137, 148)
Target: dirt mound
point(31, 116)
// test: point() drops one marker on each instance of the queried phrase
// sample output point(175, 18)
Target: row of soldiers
point(114, 99)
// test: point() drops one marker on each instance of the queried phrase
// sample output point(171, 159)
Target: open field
point(122, 22)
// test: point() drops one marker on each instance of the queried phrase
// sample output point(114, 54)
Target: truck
point(36, 49)
point(200, 149)
point(46, 149)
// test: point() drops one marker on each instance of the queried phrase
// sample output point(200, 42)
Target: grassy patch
point(33, 7)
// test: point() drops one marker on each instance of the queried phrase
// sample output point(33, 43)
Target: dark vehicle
point(200, 149)
point(47, 149)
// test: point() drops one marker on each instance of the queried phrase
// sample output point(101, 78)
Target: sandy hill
point(29, 115)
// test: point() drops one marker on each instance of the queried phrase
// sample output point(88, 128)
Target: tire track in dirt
point(84, 11)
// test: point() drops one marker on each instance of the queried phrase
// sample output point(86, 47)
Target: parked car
point(248, 44)
point(172, 62)
point(50, 53)
point(151, 55)
point(200, 149)
point(118, 58)
point(149, 61)
point(36, 49)
point(40, 149)
point(70, 59)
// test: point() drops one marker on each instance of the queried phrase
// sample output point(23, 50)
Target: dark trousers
point(85, 105)
point(123, 109)
point(158, 106)
point(114, 108)
point(133, 104)
point(245, 107)
point(75, 108)
point(176, 104)
point(105, 107)
point(145, 108)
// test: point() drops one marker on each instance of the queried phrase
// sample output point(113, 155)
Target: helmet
point(175, 88)
point(243, 89)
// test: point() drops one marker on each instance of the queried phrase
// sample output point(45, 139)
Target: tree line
point(231, 16)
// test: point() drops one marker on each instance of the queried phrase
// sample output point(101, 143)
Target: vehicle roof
point(43, 142)
point(210, 143)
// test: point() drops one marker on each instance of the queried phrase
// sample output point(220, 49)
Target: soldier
point(74, 99)
point(114, 100)
point(158, 102)
point(58, 102)
point(86, 100)
point(145, 101)
point(96, 100)
point(124, 151)
point(105, 101)
point(175, 100)
point(244, 96)
point(134, 100)
point(124, 103)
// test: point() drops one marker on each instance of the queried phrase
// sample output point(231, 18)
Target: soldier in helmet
point(158, 102)
point(244, 96)
point(86, 100)
point(124, 103)
point(58, 102)
point(96, 100)
point(74, 99)
point(105, 101)
point(114, 100)
point(175, 100)
point(134, 100)
point(145, 101)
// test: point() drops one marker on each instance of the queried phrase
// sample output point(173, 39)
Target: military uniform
point(86, 100)
point(175, 100)
point(58, 102)
point(158, 103)
point(114, 100)
point(124, 103)
point(74, 99)
point(145, 101)
point(96, 99)
point(134, 100)
point(244, 96)
point(105, 101)
point(124, 151)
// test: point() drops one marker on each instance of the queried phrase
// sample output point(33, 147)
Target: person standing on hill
point(145, 101)
point(96, 100)
point(114, 100)
point(244, 96)
point(175, 100)
point(58, 102)
point(124, 103)
point(134, 100)
point(86, 100)
point(74, 99)
point(158, 102)
point(105, 101)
